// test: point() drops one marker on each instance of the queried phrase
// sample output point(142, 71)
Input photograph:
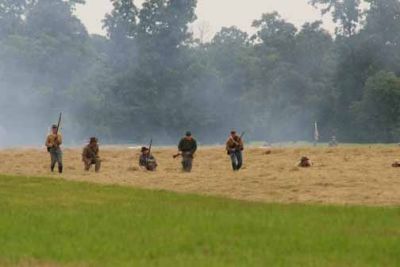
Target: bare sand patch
point(344, 175)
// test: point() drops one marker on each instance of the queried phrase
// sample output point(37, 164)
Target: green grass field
point(47, 222)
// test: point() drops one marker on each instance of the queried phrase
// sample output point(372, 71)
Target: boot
point(52, 168)
point(60, 169)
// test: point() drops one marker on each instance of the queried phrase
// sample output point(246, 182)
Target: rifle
point(236, 143)
point(240, 138)
point(177, 155)
point(148, 155)
point(151, 143)
point(58, 128)
point(59, 122)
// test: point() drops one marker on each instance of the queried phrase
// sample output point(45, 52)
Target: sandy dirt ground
point(347, 175)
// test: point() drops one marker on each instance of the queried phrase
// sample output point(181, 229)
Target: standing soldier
point(53, 143)
point(147, 160)
point(234, 148)
point(333, 142)
point(90, 155)
point(187, 147)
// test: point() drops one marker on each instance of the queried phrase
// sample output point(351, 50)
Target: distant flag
point(316, 132)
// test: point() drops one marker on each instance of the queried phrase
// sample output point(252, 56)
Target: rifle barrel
point(59, 122)
point(150, 145)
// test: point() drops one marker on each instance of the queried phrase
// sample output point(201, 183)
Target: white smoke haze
point(61, 79)
point(150, 79)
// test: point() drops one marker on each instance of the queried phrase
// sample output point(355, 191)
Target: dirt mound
point(349, 175)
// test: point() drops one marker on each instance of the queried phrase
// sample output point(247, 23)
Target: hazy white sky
point(214, 14)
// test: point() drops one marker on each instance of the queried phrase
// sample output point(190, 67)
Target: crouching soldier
point(90, 155)
point(234, 148)
point(187, 147)
point(304, 162)
point(147, 160)
point(53, 143)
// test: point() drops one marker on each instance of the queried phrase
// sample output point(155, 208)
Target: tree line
point(150, 77)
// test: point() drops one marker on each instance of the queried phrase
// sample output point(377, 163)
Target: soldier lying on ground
point(147, 160)
point(305, 162)
point(396, 164)
point(90, 155)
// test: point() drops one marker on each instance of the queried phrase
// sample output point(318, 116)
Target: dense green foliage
point(54, 222)
point(151, 77)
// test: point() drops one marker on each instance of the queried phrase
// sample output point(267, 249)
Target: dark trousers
point(56, 157)
point(89, 162)
point(237, 159)
point(187, 161)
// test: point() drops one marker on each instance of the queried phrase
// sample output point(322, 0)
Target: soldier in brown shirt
point(305, 162)
point(53, 143)
point(90, 155)
point(234, 148)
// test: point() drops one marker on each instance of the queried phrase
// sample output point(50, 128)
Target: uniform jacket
point(144, 160)
point(187, 145)
point(53, 141)
point(90, 152)
point(234, 143)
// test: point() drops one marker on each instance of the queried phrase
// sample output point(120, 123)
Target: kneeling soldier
point(53, 143)
point(147, 160)
point(90, 155)
point(305, 162)
point(187, 147)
